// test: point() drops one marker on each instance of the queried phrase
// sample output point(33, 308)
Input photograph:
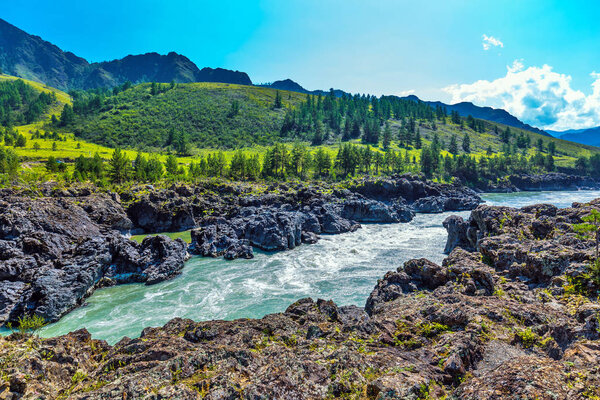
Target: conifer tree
point(277, 102)
point(387, 136)
point(418, 142)
point(119, 167)
point(466, 144)
point(453, 146)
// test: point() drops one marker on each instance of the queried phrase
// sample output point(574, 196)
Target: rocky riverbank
point(58, 245)
point(512, 313)
point(287, 215)
point(542, 182)
point(55, 250)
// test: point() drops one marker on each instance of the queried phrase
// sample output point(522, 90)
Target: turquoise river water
point(344, 268)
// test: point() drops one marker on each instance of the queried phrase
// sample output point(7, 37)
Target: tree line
point(281, 162)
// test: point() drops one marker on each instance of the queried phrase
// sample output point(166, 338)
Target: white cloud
point(536, 95)
point(405, 93)
point(516, 66)
point(490, 41)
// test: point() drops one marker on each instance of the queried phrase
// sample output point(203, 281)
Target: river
point(344, 268)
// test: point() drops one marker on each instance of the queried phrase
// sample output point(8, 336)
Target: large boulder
point(372, 211)
point(219, 239)
point(457, 230)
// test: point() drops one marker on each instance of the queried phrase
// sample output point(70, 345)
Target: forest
point(21, 104)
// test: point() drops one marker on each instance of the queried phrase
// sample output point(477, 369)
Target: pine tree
point(347, 130)
point(427, 162)
point(67, 115)
point(181, 144)
point(387, 136)
point(322, 162)
point(171, 165)
point(355, 130)
point(453, 146)
point(140, 168)
point(237, 167)
point(297, 159)
point(506, 135)
point(466, 144)
point(52, 164)
point(318, 136)
point(540, 144)
point(418, 142)
point(277, 102)
point(119, 167)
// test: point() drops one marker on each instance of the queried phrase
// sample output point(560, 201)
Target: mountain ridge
point(589, 136)
point(31, 57)
point(293, 86)
point(487, 113)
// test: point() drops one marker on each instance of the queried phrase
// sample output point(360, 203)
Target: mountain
point(290, 85)
point(490, 114)
point(153, 67)
point(590, 136)
point(30, 57)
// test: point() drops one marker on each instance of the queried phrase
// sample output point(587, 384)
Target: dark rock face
point(470, 328)
point(220, 239)
point(55, 251)
point(458, 231)
point(375, 211)
point(281, 228)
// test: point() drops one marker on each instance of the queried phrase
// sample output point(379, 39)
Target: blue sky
point(538, 63)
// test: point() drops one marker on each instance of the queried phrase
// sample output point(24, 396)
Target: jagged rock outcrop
point(286, 216)
point(55, 250)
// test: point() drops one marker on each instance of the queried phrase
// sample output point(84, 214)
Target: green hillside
point(157, 117)
point(203, 130)
point(210, 115)
point(214, 115)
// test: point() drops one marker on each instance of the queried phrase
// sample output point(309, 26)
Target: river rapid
point(344, 268)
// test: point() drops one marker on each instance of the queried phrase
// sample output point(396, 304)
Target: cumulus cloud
point(537, 95)
point(490, 41)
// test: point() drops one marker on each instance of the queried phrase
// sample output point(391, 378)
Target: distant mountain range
point(490, 114)
point(31, 57)
point(590, 136)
